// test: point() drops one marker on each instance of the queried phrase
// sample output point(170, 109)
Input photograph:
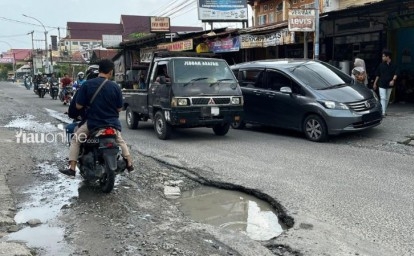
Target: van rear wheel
point(315, 128)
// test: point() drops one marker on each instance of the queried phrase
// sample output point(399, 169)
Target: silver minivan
point(305, 95)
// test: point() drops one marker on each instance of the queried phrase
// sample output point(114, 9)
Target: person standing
point(359, 72)
point(102, 112)
point(386, 76)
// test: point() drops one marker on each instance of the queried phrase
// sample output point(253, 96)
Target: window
point(277, 80)
point(262, 19)
point(271, 17)
point(251, 78)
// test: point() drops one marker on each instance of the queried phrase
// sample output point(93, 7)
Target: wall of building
point(343, 4)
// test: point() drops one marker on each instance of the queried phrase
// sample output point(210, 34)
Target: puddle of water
point(45, 203)
point(231, 210)
point(49, 239)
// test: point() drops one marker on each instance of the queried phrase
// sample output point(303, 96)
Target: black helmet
point(92, 72)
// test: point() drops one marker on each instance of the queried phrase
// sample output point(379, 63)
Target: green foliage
point(138, 35)
point(4, 69)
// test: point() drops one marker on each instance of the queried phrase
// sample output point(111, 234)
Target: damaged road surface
point(349, 196)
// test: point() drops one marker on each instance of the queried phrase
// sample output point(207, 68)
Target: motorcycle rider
point(53, 81)
point(65, 81)
point(37, 80)
point(104, 111)
point(79, 81)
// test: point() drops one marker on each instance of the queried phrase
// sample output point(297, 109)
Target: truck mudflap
point(203, 116)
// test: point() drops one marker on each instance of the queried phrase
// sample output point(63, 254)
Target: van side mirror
point(286, 89)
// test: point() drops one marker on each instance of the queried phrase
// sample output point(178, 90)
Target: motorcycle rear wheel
point(107, 181)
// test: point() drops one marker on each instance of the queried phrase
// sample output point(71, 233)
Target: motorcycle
point(66, 94)
point(41, 90)
point(54, 90)
point(100, 158)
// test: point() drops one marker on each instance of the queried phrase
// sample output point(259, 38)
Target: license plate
point(215, 111)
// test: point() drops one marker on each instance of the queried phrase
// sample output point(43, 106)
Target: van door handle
point(257, 92)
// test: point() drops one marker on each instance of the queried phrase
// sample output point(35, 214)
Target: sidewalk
point(10, 160)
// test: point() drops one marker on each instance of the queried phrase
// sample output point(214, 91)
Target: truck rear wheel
point(161, 127)
point(221, 129)
point(131, 119)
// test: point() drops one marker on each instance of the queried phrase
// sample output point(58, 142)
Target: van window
point(277, 80)
point(251, 78)
point(317, 76)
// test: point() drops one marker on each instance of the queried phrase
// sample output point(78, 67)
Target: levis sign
point(301, 20)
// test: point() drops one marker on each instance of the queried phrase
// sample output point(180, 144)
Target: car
point(306, 95)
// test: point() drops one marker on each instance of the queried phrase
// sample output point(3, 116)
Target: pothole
point(46, 200)
point(231, 210)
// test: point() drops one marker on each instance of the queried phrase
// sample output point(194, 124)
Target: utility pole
point(32, 55)
point(316, 38)
point(46, 51)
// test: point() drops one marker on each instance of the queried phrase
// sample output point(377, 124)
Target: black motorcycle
point(41, 90)
point(100, 159)
point(54, 90)
point(66, 94)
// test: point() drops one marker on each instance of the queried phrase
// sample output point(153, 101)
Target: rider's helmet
point(81, 75)
point(92, 72)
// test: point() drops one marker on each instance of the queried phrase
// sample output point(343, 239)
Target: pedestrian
point(103, 111)
point(386, 76)
point(359, 72)
point(142, 80)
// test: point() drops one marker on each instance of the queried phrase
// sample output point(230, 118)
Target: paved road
point(351, 195)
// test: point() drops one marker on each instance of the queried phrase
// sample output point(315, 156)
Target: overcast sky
point(14, 27)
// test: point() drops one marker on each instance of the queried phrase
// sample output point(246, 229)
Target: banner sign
point(225, 45)
point(185, 45)
point(111, 40)
point(145, 54)
point(301, 20)
point(6, 60)
point(219, 10)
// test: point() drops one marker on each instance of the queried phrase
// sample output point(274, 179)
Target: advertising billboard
point(222, 10)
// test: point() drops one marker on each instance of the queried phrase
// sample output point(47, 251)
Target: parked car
point(305, 95)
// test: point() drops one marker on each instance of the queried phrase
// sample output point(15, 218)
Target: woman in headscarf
point(359, 73)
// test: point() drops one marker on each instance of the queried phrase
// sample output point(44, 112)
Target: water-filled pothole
point(232, 210)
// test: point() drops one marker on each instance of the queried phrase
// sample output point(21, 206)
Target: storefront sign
point(160, 24)
point(301, 20)
point(279, 38)
point(225, 45)
point(185, 45)
point(219, 10)
point(251, 41)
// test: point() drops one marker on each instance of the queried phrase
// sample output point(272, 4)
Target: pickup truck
point(185, 92)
